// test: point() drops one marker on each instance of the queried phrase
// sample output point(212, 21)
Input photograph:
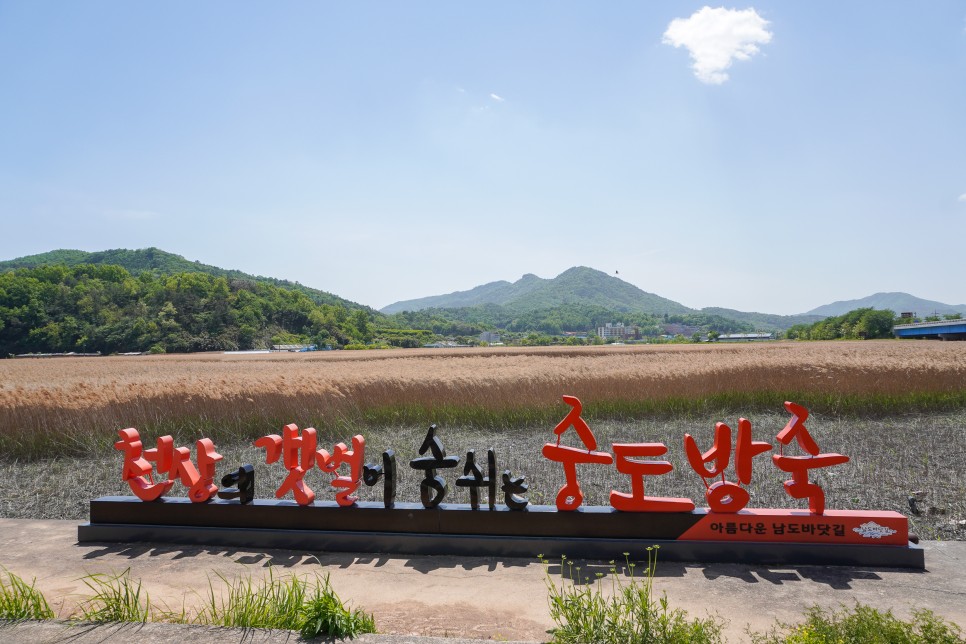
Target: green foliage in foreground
point(289, 603)
point(325, 614)
point(116, 598)
point(629, 614)
point(20, 600)
point(285, 603)
point(862, 624)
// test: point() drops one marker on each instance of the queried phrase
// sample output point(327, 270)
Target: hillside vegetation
point(865, 324)
point(583, 298)
point(90, 308)
point(576, 285)
point(159, 262)
point(119, 301)
point(560, 319)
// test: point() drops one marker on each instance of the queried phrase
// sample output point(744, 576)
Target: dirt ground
point(479, 598)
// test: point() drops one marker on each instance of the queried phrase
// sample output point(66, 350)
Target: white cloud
point(497, 98)
point(716, 37)
point(962, 197)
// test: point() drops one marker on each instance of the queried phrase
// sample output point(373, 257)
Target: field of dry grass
point(83, 399)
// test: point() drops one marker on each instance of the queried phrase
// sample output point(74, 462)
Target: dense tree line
point(865, 324)
point(90, 308)
point(159, 262)
point(60, 308)
point(574, 317)
point(445, 322)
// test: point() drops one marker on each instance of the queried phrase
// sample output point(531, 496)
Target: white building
point(617, 331)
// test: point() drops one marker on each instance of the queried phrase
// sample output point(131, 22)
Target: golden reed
point(74, 395)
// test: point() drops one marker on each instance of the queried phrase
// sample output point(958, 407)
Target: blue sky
point(770, 157)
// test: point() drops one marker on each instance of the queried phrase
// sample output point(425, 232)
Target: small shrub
point(116, 599)
point(20, 600)
point(325, 614)
point(629, 614)
point(862, 624)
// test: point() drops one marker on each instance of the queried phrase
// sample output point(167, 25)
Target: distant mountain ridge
point(579, 285)
point(896, 302)
point(161, 262)
point(582, 285)
point(575, 285)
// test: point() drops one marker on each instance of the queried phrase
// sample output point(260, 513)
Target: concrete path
point(452, 597)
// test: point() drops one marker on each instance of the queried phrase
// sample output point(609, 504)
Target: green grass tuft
point(269, 603)
point(20, 600)
point(862, 624)
point(284, 603)
point(116, 598)
point(325, 614)
point(628, 614)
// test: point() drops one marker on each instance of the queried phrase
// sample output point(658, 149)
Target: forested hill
point(578, 285)
point(159, 262)
point(89, 308)
point(582, 297)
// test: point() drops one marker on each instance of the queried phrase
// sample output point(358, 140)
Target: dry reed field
point(58, 417)
point(101, 394)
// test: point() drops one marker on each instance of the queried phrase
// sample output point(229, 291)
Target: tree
point(360, 320)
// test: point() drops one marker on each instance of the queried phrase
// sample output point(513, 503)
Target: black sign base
point(598, 533)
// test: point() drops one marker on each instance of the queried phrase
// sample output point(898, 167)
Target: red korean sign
point(726, 517)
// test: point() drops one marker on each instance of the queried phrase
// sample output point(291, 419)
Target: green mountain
point(897, 302)
point(159, 262)
point(87, 308)
point(578, 285)
point(575, 296)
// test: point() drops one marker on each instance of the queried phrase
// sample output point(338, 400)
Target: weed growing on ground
point(269, 603)
point(862, 624)
point(284, 603)
point(20, 600)
point(627, 614)
point(289, 603)
point(117, 598)
point(325, 614)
